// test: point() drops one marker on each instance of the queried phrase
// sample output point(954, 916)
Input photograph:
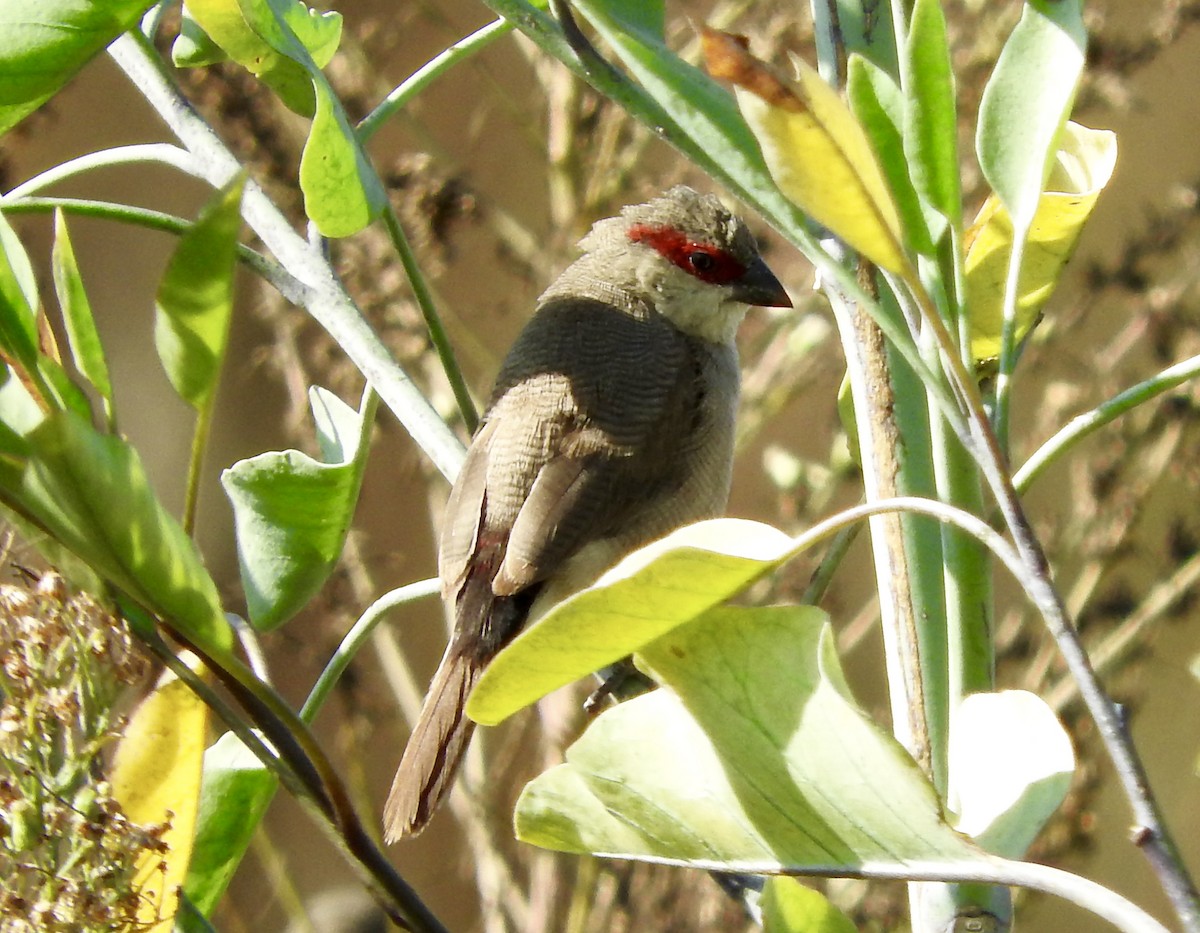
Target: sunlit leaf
point(156, 779)
point(930, 118)
point(292, 512)
point(653, 590)
point(817, 151)
point(89, 491)
point(44, 42)
point(1010, 769)
point(194, 303)
point(790, 907)
point(878, 103)
point(82, 337)
point(1083, 165)
point(234, 795)
point(341, 192)
point(752, 757)
point(249, 32)
point(1027, 100)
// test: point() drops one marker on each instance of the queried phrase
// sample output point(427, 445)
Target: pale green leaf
point(1011, 764)
point(752, 757)
point(234, 795)
point(1027, 100)
point(653, 590)
point(18, 300)
point(279, 41)
point(292, 513)
point(790, 907)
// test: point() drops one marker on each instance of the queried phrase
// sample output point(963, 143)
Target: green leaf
point(653, 590)
point(43, 43)
point(234, 794)
point(193, 47)
point(790, 907)
point(18, 300)
point(1027, 100)
point(1011, 764)
point(283, 57)
point(82, 337)
point(292, 513)
point(931, 123)
point(89, 491)
point(751, 758)
point(342, 193)
point(195, 298)
point(878, 103)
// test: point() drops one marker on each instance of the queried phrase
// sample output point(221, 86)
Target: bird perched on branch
point(611, 424)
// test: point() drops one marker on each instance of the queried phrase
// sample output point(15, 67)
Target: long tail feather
point(435, 748)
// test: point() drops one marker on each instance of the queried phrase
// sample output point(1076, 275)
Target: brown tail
point(434, 749)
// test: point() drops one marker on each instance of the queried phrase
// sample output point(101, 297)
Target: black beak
point(758, 286)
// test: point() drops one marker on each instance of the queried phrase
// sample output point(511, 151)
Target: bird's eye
point(701, 261)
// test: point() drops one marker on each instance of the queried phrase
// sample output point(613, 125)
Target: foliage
point(752, 757)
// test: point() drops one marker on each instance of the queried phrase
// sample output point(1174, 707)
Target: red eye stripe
point(706, 262)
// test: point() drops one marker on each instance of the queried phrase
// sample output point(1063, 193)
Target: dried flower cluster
point(68, 855)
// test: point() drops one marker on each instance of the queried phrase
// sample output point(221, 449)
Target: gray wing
point(582, 433)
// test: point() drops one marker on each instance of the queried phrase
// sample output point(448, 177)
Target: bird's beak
point(758, 286)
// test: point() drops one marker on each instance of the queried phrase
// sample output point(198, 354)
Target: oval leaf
point(1026, 102)
point(1083, 165)
point(292, 513)
point(1010, 768)
point(653, 590)
point(234, 794)
point(156, 779)
point(751, 758)
point(195, 298)
point(816, 150)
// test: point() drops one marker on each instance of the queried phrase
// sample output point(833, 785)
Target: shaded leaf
point(156, 778)
point(194, 303)
point(18, 300)
point(43, 43)
point(82, 336)
point(653, 590)
point(292, 513)
point(816, 150)
point(790, 907)
point(234, 795)
point(1083, 166)
point(1011, 764)
point(751, 758)
point(1027, 100)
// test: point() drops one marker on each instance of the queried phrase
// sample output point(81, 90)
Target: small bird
point(611, 424)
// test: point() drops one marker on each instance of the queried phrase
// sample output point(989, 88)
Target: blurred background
point(497, 169)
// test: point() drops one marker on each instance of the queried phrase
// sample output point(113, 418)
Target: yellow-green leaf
point(1082, 167)
point(817, 151)
point(790, 907)
point(156, 778)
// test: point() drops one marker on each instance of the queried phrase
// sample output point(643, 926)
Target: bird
point(611, 424)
